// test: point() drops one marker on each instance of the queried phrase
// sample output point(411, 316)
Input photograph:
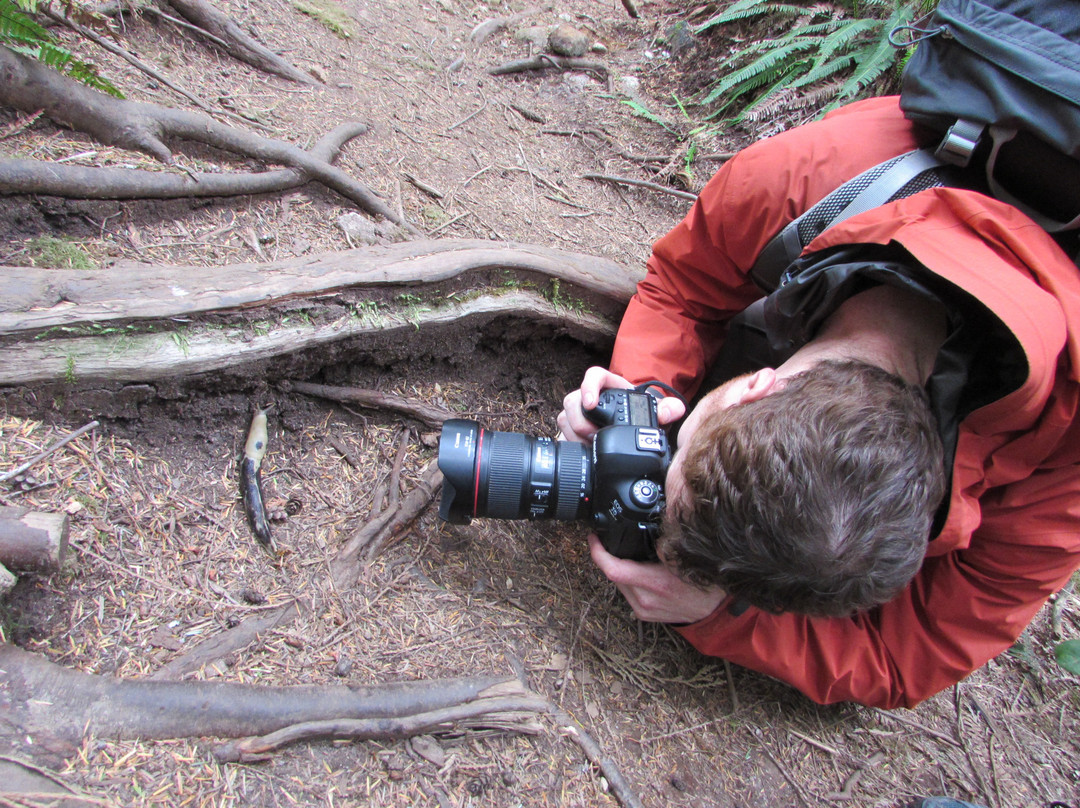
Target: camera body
point(617, 483)
point(630, 457)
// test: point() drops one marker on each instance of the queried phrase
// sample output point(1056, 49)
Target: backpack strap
point(899, 177)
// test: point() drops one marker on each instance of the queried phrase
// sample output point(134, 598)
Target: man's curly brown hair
point(817, 498)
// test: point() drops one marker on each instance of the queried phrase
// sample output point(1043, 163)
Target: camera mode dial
point(645, 493)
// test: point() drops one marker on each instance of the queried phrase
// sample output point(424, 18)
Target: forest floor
point(161, 555)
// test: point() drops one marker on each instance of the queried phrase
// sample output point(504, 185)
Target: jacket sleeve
point(962, 609)
point(675, 323)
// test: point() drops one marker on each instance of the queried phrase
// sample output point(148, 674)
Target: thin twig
point(56, 446)
point(652, 186)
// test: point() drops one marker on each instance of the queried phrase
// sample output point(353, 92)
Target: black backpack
point(999, 81)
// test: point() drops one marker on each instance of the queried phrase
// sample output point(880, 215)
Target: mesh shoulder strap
point(894, 179)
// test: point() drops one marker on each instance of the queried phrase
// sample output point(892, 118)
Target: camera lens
point(508, 475)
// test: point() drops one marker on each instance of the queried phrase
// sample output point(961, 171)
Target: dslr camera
point(617, 483)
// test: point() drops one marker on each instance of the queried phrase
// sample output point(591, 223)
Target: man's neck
point(887, 326)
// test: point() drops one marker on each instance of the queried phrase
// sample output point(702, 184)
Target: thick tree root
point(24, 176)
point(59, 708)
point(222, 29)
point(29, 86)
point(50, 701)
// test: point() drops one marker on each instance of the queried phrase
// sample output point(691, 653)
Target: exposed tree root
point(545, 60)
point(427, 414)
point(221, 29)
point(28, 85)
point(50, 701)
point(58, 708)
point(23, 176)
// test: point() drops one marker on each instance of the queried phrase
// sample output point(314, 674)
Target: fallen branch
point(25, 176)
point(427, 414)
point(227, 642)
point(545, 60)
point(32, 541)
point(652, 186)
point(221, 29)
point(28, 85)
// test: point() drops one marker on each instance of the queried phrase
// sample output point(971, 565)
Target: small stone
point(536, 36)
point(359, 229)
point(566, 40)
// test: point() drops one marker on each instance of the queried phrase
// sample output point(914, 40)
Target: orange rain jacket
point(1012, 536)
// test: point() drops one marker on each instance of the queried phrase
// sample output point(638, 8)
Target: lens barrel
point(508, 475)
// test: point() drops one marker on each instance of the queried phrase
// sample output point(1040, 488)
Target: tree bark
point(32, 541)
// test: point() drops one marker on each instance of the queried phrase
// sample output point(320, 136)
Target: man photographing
point(881, 505)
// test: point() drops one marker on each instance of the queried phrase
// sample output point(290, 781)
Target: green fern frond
point(820, 72)
point(775, 59)
point(22, 34)
point(843, 37)
point(817, 51)
point(748, 9)
point(873, 60)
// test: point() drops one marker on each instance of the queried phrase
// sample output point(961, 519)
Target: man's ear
point(758, 385)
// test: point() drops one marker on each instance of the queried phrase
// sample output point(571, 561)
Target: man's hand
point(572, 421)
point(653, 591)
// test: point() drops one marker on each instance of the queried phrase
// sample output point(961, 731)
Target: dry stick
point(425, 413)
point(916, 725)
point(652, 186)
point(60, 444)
point(225, 643)
point(26, 176)
point(150, 70)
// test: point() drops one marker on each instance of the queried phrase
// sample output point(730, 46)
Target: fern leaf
point(877, 57)
point(768, 62)
point(15, 26)
point(748, 9)
point(821, 72)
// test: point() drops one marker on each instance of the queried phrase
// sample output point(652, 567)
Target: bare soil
point(162, 557)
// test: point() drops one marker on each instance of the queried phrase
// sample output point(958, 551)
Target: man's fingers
point(619, 570)
point(669, 410)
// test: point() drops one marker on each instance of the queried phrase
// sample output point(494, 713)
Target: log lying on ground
point(32, 541)
point(138, 323)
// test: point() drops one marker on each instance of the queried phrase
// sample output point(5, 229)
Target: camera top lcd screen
point(640, 409)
